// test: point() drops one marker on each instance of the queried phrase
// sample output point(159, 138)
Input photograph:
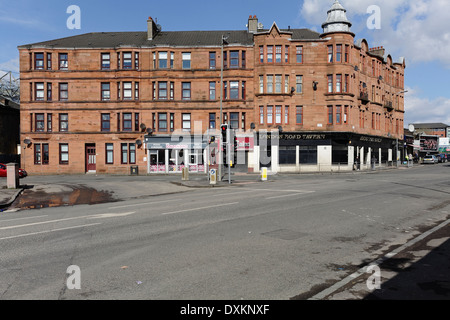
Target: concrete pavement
point(7, 196)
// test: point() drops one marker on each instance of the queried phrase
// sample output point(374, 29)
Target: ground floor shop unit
point(171, 154)
point(321, 151)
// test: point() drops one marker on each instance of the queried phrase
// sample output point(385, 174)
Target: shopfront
point(320, 151)
point(170, 154)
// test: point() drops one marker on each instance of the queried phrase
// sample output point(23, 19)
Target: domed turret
point(337, 19)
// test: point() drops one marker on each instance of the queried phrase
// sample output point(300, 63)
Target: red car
point(3, 171)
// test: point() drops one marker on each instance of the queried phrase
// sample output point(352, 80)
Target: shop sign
point(291, 136)
point(245, 143)
point(428, 143)
point(371, 139)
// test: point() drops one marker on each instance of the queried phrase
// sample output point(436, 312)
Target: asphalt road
point(292, 237)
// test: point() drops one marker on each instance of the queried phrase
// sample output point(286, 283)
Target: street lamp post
point(396, 147)
point(223, 40)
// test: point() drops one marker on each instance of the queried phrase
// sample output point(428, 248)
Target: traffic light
point(223, 130)
point(235, 144)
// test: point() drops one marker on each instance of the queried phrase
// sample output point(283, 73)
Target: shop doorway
point(176, 160)
point(157, 160)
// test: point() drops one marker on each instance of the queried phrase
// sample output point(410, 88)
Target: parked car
point(442, 157)
point(3, 171)
point(431, 159)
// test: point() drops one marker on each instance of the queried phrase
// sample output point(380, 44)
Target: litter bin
point(134, 170)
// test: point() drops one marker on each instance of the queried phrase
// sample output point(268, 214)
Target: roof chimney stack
point(252, 24)
point(378, 51)
point(151, 28)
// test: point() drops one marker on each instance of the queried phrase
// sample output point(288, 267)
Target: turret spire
point(337, 19)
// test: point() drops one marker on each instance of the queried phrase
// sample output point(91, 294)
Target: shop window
point(287, 154)
point(308, 154)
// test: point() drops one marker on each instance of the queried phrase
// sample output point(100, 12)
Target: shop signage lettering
point(177, 146)
point(292, 136)
point(371, 139)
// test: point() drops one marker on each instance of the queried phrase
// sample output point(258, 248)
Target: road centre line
point(48, 231)
point(201, 208)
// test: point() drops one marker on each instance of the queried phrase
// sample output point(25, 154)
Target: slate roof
point(163, 38)
point(430, 125)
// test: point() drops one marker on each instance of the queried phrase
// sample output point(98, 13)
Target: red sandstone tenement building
point(103, 102)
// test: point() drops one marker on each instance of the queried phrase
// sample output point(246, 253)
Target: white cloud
point(417, 30)
point(417, 109)
point(11, 65)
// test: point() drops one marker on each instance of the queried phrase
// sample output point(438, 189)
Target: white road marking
point(111, 215)
point(279, 190)
point(144, 204)
point(201, 208)
point(16, 219)
point(290, 195)
point(96, 216)
point(48, 231)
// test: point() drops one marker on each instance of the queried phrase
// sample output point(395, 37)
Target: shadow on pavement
point(425, 279)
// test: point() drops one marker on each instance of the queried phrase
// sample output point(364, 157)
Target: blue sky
point(416, 30)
